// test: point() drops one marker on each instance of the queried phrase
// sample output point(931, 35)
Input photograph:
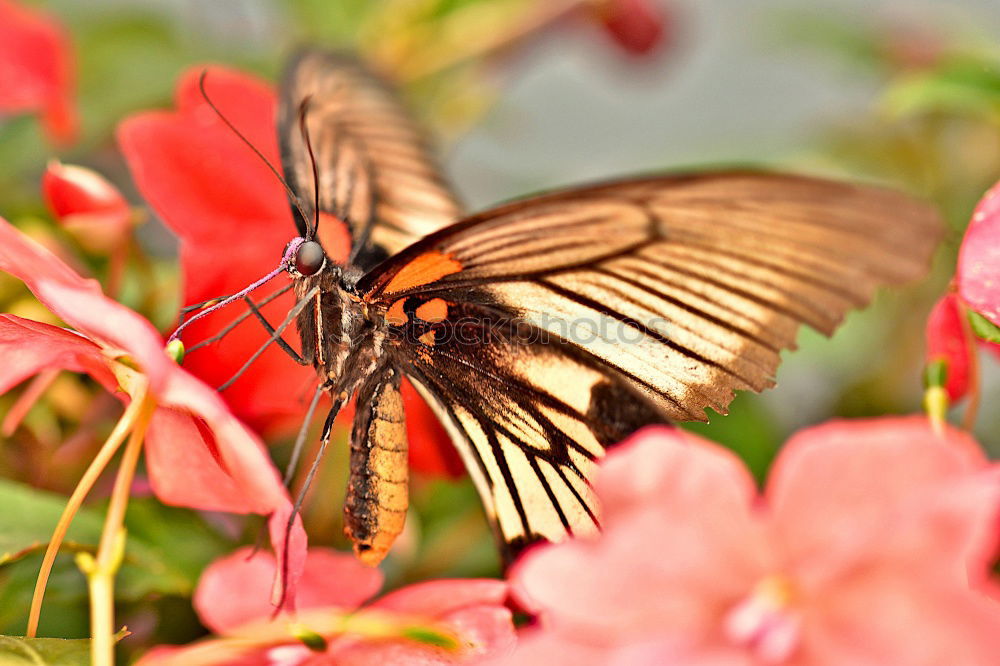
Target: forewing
point(688, 286)
point(379, 185)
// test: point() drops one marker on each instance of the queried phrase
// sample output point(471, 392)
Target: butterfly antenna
point(291, 195)
point(304, 129)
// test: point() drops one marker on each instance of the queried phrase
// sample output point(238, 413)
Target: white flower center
point(766, 621)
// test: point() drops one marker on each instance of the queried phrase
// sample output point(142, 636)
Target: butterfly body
point(337, 336)
point(543, 331)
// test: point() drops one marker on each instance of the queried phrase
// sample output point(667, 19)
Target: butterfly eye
point(309, 258)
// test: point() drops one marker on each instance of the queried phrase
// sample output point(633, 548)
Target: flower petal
point(200, 455)
point(438, 597)
point(483, 631)
point(680, 469)
point(541, 646)
point(946, 342)
point(28, 347)
point(36, 69)
point(233, 220)
point(885, 616)
point(473, 609)
point(978, 270)
point(833, 485)
point(81, 304)
point(236, 589)
point(679, 545)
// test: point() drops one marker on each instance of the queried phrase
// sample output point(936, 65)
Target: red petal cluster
point(233, 219)
point(197, 453)
point(977, 282)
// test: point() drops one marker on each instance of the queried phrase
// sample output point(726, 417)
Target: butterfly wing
point(665, 293)
point(530, 418)
point(379, 187)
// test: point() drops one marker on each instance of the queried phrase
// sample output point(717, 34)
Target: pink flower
point(233, 220)
point(197, 453)
point(871, 545)
point(36, 69)
point(84, 201)
point(232, 595)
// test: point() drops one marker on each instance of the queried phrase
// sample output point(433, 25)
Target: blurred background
point(526, 96)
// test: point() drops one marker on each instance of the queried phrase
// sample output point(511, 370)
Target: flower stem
point(97, 465)
point(101, 570)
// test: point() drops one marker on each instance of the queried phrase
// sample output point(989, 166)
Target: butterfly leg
point(300, 439)
point(285, 347)
point(331, 416)
point(275, 335)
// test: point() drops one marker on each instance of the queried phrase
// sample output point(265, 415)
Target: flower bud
point(89, 206)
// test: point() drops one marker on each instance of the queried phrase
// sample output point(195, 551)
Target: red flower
point(85, 202)
point(197, 453)
point(36, 69)
point(233, 220)
point(947, 342)
point(871, 544)
point(233, 592)
point(637, 26)
point(977, 278)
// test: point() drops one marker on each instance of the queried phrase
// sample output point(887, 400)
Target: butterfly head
point(304, 257)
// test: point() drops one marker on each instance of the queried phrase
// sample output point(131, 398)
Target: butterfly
point(547, 329)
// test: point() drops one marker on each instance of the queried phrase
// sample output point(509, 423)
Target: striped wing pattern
point(531, 423)
point(376, 170)
point(668, 292)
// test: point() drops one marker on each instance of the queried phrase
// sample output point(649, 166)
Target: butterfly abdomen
point(377, 490)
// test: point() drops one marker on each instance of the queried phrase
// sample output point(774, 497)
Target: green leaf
point(166, 550)
point(749, 430)
point(963, 86)
point(983, 328)
point(28, 518)
point(15, 651)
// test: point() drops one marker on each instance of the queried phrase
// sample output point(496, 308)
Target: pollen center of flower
point(766, 621)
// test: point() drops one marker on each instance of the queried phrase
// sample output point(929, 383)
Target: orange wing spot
point(335, 237)
point(423, 270)
point(433, 311)
point(395, 315)
point(427, 338)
